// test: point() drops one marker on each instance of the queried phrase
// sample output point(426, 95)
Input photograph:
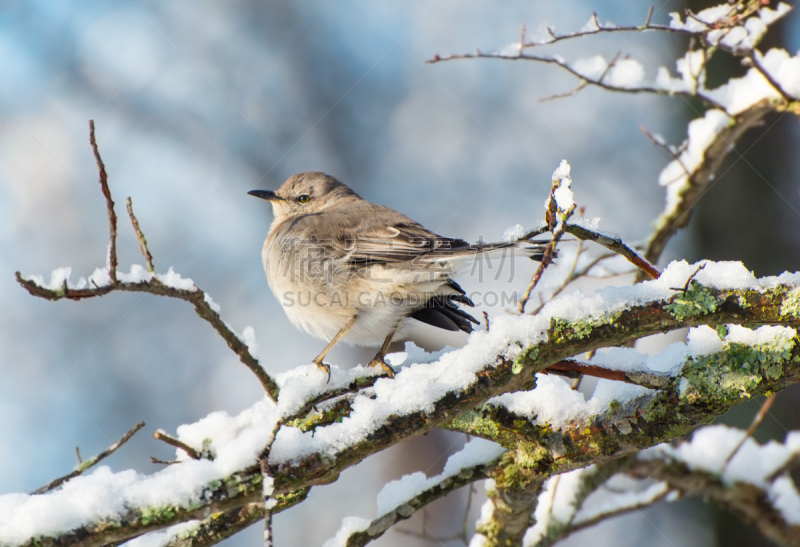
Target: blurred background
point(198, 102)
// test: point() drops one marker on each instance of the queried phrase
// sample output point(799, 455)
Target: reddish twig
point(756, 423)
point(573, 369)
point(614, 244)
point(112, 216)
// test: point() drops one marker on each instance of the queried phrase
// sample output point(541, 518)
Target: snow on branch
point(746, 486)
point(771, 84)
point(446, 389)
point(106, 280)
point(401, 498)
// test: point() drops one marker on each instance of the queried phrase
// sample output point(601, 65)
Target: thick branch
point(677, 215)
point(513, 500)
point(552, 448)
point(748, 501)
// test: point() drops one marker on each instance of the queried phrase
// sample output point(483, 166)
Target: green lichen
point(696, 300)
point(736, 371)
point(791, 304)
point(531, 456)
point(743, 302)
point(158, 514)
point(519, 362)
point(722, 331)
point(207, 451)
point(564, 330)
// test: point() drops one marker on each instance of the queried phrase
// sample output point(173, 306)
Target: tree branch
point(112, 216)
point(91, 462)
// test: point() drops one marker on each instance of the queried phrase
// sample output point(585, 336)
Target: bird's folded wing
point(392, 244)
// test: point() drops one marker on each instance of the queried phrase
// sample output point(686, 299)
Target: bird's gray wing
point(399, 243)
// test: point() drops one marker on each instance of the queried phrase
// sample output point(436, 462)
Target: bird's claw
point(326, 369)
point(379, 362)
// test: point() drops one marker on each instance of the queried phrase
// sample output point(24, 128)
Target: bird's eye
point(305, 198)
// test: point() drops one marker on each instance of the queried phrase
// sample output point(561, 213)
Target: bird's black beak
point(268, 195)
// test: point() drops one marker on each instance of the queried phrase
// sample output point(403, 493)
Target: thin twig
point(140, 236)
point(78, 455)
point(91, 462)
point(756, 423)
point(614, 244)
point(535, 233)
point(112, 216)
point(755, 59)
point(570, 277)
point(649, 17)
point(268, 498)
point(153, 459)
point(486, 320)
point(674, 153)
point(547, 259)
point(172, 441)
point(690, 278)
point(575, 369)
point(153, 286)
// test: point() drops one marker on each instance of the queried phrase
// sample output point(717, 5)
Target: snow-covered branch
point(769, 86)
point(443, 390)
point(400, 499)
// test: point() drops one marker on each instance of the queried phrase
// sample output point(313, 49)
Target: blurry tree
point(551, 455)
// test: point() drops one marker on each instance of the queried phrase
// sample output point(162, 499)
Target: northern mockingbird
point(346, 269)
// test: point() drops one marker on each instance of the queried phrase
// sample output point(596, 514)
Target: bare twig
point(78, 455)
point(570, 277)
point(614, 244)
point(112, 216)
point(754, 425)
point(546, 261)
point(153, 459)
point(685, 288)
point(556, 219)
point(647, 19)
point(172, 441)
point(535, 233)
point(269, 500)
point(486, 320)
point(597, 82)
point(649, 379)
point(153, 286)
point(674, 153)
point(91, 462)
point(623, 510)
point(140, 236)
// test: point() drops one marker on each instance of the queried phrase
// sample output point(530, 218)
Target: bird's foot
point(379, 362)
point(324, 368)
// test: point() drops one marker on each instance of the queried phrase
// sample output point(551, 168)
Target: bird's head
point(305, 193)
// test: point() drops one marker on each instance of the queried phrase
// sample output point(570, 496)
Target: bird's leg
point(318, 359)
point(378, 361)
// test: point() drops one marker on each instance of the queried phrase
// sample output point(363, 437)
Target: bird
point(345, 269)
